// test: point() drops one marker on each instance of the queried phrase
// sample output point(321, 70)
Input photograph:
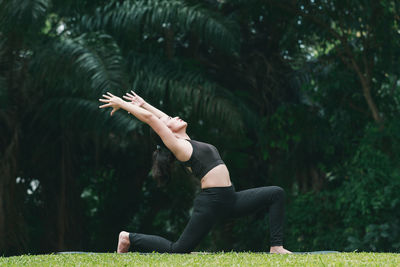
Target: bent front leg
point(204, 216)
point(270, 197)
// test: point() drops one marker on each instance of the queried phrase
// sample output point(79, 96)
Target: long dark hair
point(162, 161)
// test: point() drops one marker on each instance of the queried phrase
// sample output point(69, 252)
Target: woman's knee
point(177, 248)
point(278, 192)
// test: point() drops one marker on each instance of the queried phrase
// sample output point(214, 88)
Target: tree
point(357, 34)
point(50, 81)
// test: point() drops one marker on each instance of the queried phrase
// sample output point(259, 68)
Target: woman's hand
point(112, 101)
point(134, 99)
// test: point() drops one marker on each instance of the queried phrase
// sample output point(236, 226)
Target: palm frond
point(207, 99)
point(3, 93)
point(3, 81)
point(82, 115)
point(22, 13)
point(72, 73)
point(3, 85)
point(95, 58)
point(149, 16)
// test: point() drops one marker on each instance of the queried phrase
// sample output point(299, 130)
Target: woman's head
point(162, 156)
point(175, 124)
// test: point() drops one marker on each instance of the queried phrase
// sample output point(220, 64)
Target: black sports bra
point(204, 158)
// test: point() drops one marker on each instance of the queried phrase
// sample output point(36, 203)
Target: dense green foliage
point(300, 94)
point(218, 259)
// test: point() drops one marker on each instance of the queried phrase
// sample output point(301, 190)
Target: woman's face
point(175, 124)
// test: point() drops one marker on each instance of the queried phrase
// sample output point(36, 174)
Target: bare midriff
point(216, 177)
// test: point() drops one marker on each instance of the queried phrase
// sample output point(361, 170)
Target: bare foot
point(123, 242)
point(279, 250)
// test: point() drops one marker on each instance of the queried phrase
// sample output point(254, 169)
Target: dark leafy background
point(300, 94)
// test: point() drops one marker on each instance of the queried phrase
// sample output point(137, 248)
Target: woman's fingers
point(130, 96)
point(110, 102)
point(110, 94)
point(105, 105)
point(113, 111)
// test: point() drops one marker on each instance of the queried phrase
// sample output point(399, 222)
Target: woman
point(217, 199)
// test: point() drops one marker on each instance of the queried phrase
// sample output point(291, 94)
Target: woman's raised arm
point(136, 100)
point(116, 103)
point(168, 138)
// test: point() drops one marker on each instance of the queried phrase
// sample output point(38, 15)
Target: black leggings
point(213, 204)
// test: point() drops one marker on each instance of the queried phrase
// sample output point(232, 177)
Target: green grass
point(217, 259)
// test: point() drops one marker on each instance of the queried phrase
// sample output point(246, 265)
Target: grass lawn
point(215, 259)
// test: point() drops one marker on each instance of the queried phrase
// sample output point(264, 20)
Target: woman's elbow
point(149, 118)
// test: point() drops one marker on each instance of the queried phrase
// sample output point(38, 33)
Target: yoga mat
point(301, 252)
point(202, 253)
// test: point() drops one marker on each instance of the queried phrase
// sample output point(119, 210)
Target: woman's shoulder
point(185, 151)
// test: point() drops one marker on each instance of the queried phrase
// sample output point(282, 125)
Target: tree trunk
point(3, 245)
point(61, 209)
point(365, 81)
point(62, 219)
point(12, 236)
point(68, 224)
point(364, 78)
point(317, 179)
point(371, 103)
